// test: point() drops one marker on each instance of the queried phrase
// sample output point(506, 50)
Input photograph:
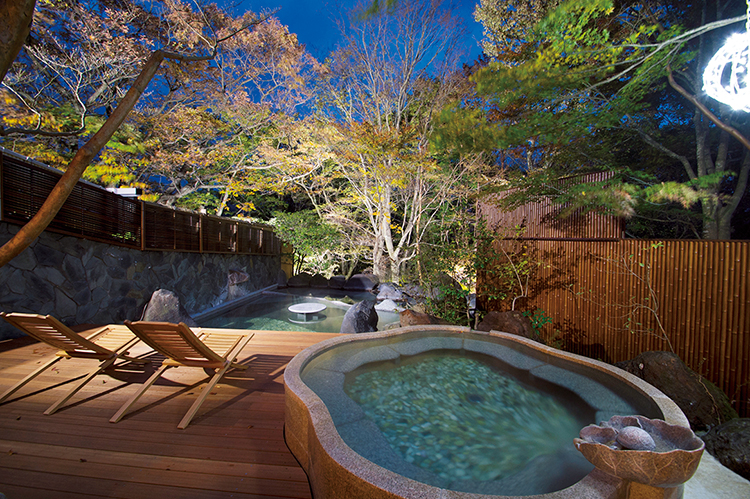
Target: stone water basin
point(348, 453)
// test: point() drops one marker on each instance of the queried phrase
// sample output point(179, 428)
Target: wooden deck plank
point(34, 492)
point(134, 474)
point(59, 482)
point(233, 448)
point(167, 463)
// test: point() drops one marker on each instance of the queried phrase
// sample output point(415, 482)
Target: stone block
point(50, 274)
point(115, 273)
point(86, 313)
point(15, 282)
point(83, 296)
point(47, 256)
point(40, 289)
point(26, 260)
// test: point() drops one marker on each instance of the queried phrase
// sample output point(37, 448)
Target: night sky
point(313, 21)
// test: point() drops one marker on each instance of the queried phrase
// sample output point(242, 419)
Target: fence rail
point(615, 298)
point(91, 212)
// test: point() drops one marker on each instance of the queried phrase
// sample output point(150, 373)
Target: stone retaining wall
point(85, 282)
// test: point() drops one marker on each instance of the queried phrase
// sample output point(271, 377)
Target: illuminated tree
point(381, 89)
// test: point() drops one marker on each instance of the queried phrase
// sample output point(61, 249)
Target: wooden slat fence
point(612, 298)
point(91, 212)
point(539, 218)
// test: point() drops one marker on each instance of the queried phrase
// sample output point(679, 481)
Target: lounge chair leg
point(123, 352)
point(206, 390)
point(118, 416)
point(104, 365)
point(28, 378)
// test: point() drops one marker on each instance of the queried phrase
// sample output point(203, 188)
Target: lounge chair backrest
point(47, 329)
point(176, 341)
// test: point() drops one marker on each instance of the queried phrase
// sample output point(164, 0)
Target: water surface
point(465, 421)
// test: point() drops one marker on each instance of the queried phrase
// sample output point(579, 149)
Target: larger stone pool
point(427, 411)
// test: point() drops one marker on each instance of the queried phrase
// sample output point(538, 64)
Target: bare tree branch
point(707, 112)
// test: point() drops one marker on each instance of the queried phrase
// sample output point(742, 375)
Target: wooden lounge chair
point(106, 345)
point(215, 350)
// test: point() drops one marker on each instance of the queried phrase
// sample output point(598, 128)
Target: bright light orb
point(732, 61)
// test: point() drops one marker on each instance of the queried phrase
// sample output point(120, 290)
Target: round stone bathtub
point(332, 456)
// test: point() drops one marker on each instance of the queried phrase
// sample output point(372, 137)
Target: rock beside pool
point(360, 318)
point(300, 280)
point(704, 404)
point(512, 322)
point(415, 291)
point(318, 281)
point(388, 306)
point(730, 444)
point(337, 282)
point(362, 282)
point(415, 318)
point(389, 291)
point(165, 306)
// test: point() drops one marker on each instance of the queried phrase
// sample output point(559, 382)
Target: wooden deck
point(233, 448)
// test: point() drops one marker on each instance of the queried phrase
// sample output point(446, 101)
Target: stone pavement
point(714, 481)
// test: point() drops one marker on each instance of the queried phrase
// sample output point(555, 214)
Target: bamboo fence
point(612, 298)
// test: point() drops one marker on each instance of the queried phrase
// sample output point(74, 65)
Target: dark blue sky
point(313, 21)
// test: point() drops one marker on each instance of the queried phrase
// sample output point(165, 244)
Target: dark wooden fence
point(612, 298)
point(99, 215)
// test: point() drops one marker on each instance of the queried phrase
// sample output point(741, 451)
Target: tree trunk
point(382, 231)
point(710, 211)
point(78, 164)
point(15, 24)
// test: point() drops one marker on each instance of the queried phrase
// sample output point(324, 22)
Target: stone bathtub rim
point(390, 483)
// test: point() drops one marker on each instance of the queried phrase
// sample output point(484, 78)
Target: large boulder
point(362, 282)
point(360, 318)
point(165, 306)
point(512, 321)
point(730, 444)
point(337, 282)
point(704, 404)
point(415, 318)
point(389, 291)
point(300, 280)
point(318, 281)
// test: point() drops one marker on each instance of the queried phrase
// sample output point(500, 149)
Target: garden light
point(732, 58)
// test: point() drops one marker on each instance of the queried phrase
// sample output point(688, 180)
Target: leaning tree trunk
point(85, 154)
